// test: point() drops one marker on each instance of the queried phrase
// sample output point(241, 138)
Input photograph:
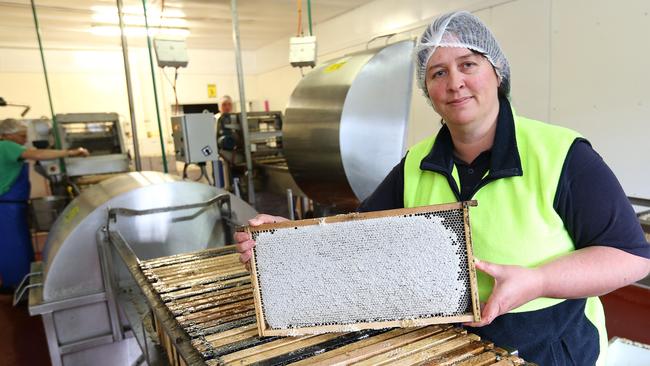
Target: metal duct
point(345, 124)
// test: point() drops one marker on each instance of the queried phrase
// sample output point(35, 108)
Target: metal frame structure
point(135, 298)
point(46, 309)
point(74, 291)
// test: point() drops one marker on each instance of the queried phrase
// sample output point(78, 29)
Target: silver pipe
point(290, 205)
point(304, 206)
point(129, 91)
point(242, 99)
point(215, 173)
point(106, 264)
point(235, 183)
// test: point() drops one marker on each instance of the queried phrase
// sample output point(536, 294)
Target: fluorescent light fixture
point(137, 10)
point(130, 19)
point(138, 31)
point(134, 16)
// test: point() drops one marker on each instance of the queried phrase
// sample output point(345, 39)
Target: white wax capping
point(390, 268)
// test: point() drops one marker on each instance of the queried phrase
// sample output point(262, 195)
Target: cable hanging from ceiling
point(309, 16)
point(300, 31)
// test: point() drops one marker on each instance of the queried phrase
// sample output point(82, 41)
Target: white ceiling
point(67, 23)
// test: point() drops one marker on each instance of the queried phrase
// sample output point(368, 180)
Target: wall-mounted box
point(195, 137)
point(170, 52)
point(302, 51)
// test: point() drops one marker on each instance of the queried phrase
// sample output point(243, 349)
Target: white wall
point(94, 81)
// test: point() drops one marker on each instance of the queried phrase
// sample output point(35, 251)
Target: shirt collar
point(504, 159)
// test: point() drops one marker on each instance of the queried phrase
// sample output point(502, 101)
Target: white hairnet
point(11, 126)
point(463, 30)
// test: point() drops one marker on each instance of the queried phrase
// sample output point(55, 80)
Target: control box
point(170, 52)
point(195, 137)
point(302, 51)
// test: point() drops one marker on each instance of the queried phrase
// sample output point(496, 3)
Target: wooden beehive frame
point(265, 330)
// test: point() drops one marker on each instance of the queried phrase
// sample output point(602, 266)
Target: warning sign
point(212, 90)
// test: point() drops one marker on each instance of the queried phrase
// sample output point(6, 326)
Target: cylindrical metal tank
point(74, 302)
point(345, 125)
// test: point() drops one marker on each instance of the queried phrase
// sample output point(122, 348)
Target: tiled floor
point(22, 339)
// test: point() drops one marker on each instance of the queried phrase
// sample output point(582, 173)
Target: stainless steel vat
point(82, 323)
point(345, 124)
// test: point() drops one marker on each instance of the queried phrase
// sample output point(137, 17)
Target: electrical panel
point(171, 52)
point(195, 137)
point(302, 51)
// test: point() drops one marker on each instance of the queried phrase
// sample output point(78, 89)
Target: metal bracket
point(21, 289)
point(223, 199)
point(387, 36)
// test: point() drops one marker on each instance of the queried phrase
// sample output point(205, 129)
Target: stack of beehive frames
point(375, 270)
point(209, 295)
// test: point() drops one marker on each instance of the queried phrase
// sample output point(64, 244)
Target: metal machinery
point(271, 172)
point(265, 136)
point(101, 134)
point(89, 321)
point(345, 124)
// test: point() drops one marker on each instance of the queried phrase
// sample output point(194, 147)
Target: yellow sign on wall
point(212, 90)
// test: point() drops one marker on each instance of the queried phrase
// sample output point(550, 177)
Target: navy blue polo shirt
point(593, 207)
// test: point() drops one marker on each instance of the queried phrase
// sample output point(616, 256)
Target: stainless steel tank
point(82, 325)
point(345, 125)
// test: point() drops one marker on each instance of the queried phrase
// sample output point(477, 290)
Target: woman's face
point(462, 86)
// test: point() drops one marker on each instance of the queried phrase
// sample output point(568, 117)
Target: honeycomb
point(394, 268)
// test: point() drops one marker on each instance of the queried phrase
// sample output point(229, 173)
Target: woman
point(16, 250)
point(546, 242)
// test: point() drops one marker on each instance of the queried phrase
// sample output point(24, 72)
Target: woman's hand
point(513, 287)
point(80, 151)
point(244, 241)
point(591, 271)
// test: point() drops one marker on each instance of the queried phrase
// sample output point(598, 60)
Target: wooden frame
point(265, 330)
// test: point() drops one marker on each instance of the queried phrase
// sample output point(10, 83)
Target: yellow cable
point(299, 18)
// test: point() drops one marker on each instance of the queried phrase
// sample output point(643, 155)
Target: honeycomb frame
point(461, 217)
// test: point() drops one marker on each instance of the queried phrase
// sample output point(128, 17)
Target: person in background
point(16, 252)
point(226, 105)
point(553, 229)
point(227, 137)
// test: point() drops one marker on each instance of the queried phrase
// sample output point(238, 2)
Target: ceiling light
point(110, 19)
point(138, 31)
point(137, 10)
point(134, 16)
